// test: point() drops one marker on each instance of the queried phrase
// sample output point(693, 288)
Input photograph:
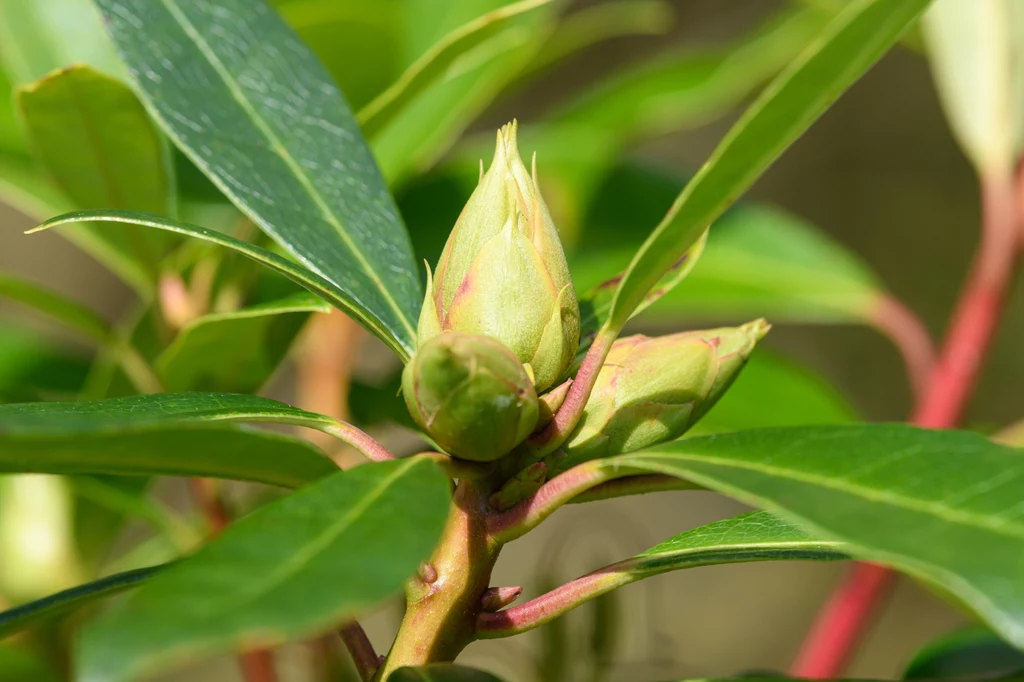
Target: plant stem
point(840, 625)
point(634, 485)
point(911, 338)
point(443, 605)
point(361, 650)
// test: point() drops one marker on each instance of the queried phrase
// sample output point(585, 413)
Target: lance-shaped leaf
point(235, 351)
point(62, 308)
point(441, 672)
point(296, 567)
point(248, 102)
point(942, 506)
point(164, 434)
point(432, 64)
point(92, 135)
point(24, 615)
point(849, 45)
point(756, 536)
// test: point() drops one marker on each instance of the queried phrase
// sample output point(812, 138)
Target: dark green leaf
point(850, 44)
point(974, 651)
point(94, 138)
point(296, 567)
point(236, 351)
point(441, 672)
point(66, 310)
point(20, 664)
point(431, 65)
point(163, 434)
point(941, 506)
point(33, 368)
point(256, 111)
point(24, 615)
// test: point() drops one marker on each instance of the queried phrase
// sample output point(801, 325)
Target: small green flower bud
point(651, 390)
point(471, 395)
point(503, 273)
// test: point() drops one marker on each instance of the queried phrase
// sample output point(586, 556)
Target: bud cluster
point(500, 325)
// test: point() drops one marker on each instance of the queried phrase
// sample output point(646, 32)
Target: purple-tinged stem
point(361, 650)
point(529, 513)
point(358, 439)
point(634, 485)
point(568, 415)
point(907, 332)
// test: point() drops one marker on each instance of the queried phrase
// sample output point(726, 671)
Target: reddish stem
point(843, 620)
point(361, 649)
point(911, 338)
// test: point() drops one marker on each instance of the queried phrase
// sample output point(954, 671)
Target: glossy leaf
point(297, 273)
point(441, 672)
point(62, 308)
point(163, 434)
point(40, 36)
point(296, 567)
point(237, 351)
point(974, 50)
point(93, 137)
point(941, 506)
point(849, 45)
point(431, 65)
point(968, 652)
point(773, 391)
point(25, 615)
point(263, 119)
point(689, 87)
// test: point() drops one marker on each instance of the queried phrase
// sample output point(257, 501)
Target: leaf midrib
point(937, 509)
point(280, 150)
point(300, 559)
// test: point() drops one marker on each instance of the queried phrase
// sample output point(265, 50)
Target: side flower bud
point(471, 395)
point(503, 272)
point(651, 390)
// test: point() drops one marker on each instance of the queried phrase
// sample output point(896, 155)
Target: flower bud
point(471, 395)
point(503, 273)
point(651, 390)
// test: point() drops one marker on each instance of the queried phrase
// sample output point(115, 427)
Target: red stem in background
point(843, 620)
point(359, 646)
point(911, 338)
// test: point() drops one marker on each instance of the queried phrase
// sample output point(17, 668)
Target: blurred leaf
point(941, 506)
point(237, 351)
point(58, 306)
point(40, 36)
point(850, 44)
point(19, 664)
point(554, 659)
point(975, 53)
point(772, 391)
point(432, 64)
point(970, 652)
point(32, 368)
point(271, 129)
point(688, 88)
point(11, 140)
point(163, 434)
point(441, 672)
point(604, 634)
point(25, 615)
point(289, 569)
point(597, 23)
point(93, 137)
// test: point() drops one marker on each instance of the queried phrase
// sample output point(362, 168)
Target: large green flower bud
point(503, 272)
point(471, 395)
point(651, 390)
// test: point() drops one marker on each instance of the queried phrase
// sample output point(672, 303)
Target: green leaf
point(974, 50)
point(689, 87)
point(441, 672)
point(432, 64)
point(92, 135)
point(772, 391)
point(850, 44)
point(40, 36)
point(237, 351)
point(25, 615)
point(164, 434)
point(32, 367)
point(20, 664)
point(941, 506)
point(296, 567)
point(972, 651)
point(300, 275)
point(62, 308)
point(253, 108)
